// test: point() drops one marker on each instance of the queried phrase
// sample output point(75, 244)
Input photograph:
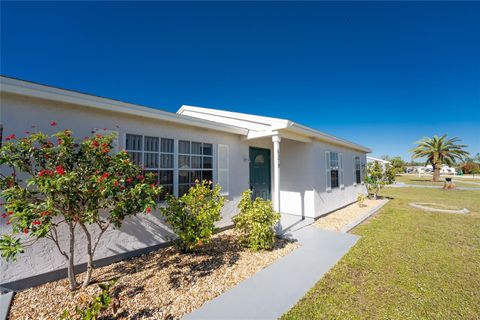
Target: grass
point(427, 180)
point(408, 264)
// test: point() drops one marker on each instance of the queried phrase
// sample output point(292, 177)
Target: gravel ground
point(161, 285)
point(338, 219)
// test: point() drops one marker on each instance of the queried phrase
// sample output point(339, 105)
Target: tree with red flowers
point(57, 184)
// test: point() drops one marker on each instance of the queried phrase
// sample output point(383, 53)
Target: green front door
point(260, 173)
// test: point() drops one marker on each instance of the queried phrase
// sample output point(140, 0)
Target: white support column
point(276, 172)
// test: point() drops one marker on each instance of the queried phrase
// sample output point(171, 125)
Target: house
point(382, 162)
point(305, 172)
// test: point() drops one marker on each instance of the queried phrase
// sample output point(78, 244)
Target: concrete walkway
point(405, 185)
point(274, 290)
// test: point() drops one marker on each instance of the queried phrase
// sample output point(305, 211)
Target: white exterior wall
point(18, 113)
point(327, 201)
point(302, 175)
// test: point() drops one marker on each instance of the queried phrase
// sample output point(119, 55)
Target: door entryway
point(260, 173)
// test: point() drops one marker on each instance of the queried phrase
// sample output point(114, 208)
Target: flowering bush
point(193, 215)
point(256, 222)
point(57, 182)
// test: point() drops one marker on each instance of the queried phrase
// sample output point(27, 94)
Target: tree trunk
point(88, 275)
point(436, 173)
point(71, 257)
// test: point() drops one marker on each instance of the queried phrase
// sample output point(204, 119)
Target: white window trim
point(159, 153)
point(328, 185)
point(223, 167)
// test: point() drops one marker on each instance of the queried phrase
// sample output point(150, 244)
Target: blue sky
point(380, 74)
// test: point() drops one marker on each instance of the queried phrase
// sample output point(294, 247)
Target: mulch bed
point(160, 285)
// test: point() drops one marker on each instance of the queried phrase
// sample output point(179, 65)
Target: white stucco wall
point(302, 170)
point(19, 113)
point(327, 201)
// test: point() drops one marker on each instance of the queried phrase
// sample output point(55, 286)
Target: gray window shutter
point(222, 164)
point(354, 158)
point(328, 177)
point(340, 169)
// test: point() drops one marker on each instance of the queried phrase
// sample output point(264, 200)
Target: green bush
point(255, 222)
point(193, 215)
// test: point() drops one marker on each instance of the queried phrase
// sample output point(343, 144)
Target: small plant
point(193, 215)
point(100, 303)
point(256, 222)
point(377, 177)
point(361, 199)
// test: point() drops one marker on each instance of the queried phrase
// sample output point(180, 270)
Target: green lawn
point(409, 264)
point(427, 180)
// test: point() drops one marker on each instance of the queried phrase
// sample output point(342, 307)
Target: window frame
point(158, 169)
point(191, 154)
point(357, 170)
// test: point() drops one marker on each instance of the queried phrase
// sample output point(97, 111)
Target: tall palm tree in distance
point(438, 151)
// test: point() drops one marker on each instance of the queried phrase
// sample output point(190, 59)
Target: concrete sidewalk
point(274, 290)
point(405, 185)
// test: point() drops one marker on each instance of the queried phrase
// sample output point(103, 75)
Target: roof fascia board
point(274, 122)
point(309, 132)
point(19, 87)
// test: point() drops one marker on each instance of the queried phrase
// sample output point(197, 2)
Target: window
point(356, 170)
point(154, 155)
point(195, 162)
point(334, 170)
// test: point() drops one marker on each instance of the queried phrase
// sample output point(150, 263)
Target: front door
point(260, 173)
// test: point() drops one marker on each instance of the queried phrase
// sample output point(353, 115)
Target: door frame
point(269, 169)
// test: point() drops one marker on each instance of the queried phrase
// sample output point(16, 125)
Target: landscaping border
point(364, 217)
point(26, 283)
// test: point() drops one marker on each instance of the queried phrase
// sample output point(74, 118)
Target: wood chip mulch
point(164, 284)
point(338, 219)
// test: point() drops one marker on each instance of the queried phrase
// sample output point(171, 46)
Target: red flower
point(44, 213)
point(129, 180)
point(36, 222)
point(60, 170)
point(4, 215)
point(10, 212)
point(53, 123)
point(25, 230)
point(99, 136)
point(105, 150)
point(95, 144)
point(148, 210)
point(116, 183)
point(46, 172)
point(10, 137)
point(8, 222)
point(105, 175)
point(140, 177)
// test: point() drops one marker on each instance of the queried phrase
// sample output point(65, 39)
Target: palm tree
point(438, 151)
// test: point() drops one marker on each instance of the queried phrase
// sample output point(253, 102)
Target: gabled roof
point(31, 89)
point(260, 126)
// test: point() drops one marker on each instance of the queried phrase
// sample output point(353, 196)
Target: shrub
point(96, 306)
point(255, 223)
point(378, 177)
point(361, 199)
point(58, 185)
point(193, 215)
